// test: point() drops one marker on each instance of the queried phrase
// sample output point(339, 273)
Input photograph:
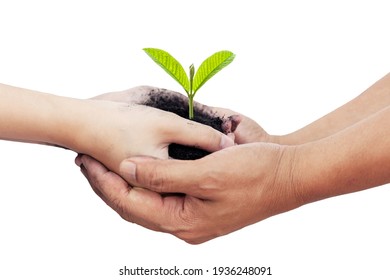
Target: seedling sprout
point(209, 67)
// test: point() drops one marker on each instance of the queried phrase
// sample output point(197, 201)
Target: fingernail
point(128, 169)
point(226, 142)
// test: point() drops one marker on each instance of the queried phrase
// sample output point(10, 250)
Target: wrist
point(304, 174)
point(290, 176)
point(36, 117)
point(318, 171)
point(66, 122)
point(91, 127)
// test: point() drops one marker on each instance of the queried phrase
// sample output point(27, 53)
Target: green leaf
point(211, 66)
point(170, 65)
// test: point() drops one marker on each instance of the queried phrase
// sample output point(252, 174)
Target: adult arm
point(354, 159)
point(372, 100)
point(241, 185)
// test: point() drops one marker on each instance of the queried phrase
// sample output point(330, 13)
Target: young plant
point(209, 67)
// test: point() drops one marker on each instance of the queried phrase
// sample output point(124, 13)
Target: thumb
point(162, 176)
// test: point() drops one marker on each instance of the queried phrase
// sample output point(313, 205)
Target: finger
point(84, 171)
point(190, 133)
point(151, 210)
point(136, 205)
point(164, 176)
point(232, 136)
point(229, 124)
point(92, 164)
point(77, 160)
point(100, 178)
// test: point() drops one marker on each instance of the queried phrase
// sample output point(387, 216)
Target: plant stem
point(191, 94)
point(191, 106)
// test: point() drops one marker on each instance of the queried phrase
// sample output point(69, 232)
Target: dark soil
point(179, 106)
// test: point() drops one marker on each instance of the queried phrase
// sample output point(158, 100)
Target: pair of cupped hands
point(240, 183)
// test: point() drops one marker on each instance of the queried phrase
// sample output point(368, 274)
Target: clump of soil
point(179, 105)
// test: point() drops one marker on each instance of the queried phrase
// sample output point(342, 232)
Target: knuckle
point(194, 236)
point(191, 228)
point(155, 180)
point(189, 236)
point(183, 227)
point(211, 182)
point(193, 241)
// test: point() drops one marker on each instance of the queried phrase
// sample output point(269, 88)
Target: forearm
point(354, 159)
point(30, 116)
point(369, 102)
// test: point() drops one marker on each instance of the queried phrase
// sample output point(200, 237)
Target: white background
point(296, 61)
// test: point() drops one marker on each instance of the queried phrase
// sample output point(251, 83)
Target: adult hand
point(248, 131)
point(202, 199)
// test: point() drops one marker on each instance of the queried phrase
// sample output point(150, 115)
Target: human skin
point(367, 103)
point(343, 152)
point(107, 130)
